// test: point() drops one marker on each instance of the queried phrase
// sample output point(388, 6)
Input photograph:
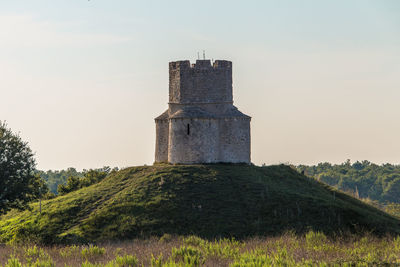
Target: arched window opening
point(188, 129)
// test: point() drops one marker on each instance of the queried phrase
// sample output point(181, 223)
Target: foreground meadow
point(312, 249)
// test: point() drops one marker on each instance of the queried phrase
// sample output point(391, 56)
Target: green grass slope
point(206, 200)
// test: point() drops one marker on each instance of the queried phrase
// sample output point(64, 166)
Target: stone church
point(201, 124)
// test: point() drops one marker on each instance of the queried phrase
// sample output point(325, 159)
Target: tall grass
point(310, 249)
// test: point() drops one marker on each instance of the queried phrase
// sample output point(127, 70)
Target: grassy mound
point(206, 200)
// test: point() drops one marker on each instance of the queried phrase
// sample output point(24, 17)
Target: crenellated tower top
point(200, 82)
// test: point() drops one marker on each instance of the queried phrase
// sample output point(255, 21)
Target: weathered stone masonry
point(201, 124)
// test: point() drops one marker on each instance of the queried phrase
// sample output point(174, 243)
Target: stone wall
point(201, 82)
point(162, 135)
point(209, 140)
point(234, 140)
point(215, 108)
point(193, 141)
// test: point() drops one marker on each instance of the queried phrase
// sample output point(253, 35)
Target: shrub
point(174, 264)
point(33, 251)
point(69, 251)
point(252, 260)
point(315, 239)
point(165, 238)
point(224, 248)
point(126, 261)
point(89, 264)
point(156, 262)
point(190, 256)
point(39, 254)
point(13, 262)
point(92, 251)
point(282, 258)
point(43, 263)
point(396, 243)
point(193, 241)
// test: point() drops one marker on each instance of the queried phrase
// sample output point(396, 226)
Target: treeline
point(55, 178)
point(363, 179)
point(64, 181)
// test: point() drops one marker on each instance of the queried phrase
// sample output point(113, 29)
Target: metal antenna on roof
point(198, 55)
point(204, 54)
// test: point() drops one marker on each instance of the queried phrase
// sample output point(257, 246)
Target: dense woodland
point(364, 179)
point(378, 185)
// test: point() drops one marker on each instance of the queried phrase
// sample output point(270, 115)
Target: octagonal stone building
point(201, 124)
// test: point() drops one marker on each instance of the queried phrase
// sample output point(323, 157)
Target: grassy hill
point(206, 200)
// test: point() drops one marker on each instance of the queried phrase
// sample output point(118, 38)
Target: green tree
point(89, 177)
point(18, 182)
point(57, 177)
point(392, 192)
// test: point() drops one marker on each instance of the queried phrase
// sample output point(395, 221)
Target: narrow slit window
point(188, 129)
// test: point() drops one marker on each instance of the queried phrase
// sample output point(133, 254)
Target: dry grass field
point(312, 249)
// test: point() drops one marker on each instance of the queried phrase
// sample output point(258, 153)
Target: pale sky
point(82, 81)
